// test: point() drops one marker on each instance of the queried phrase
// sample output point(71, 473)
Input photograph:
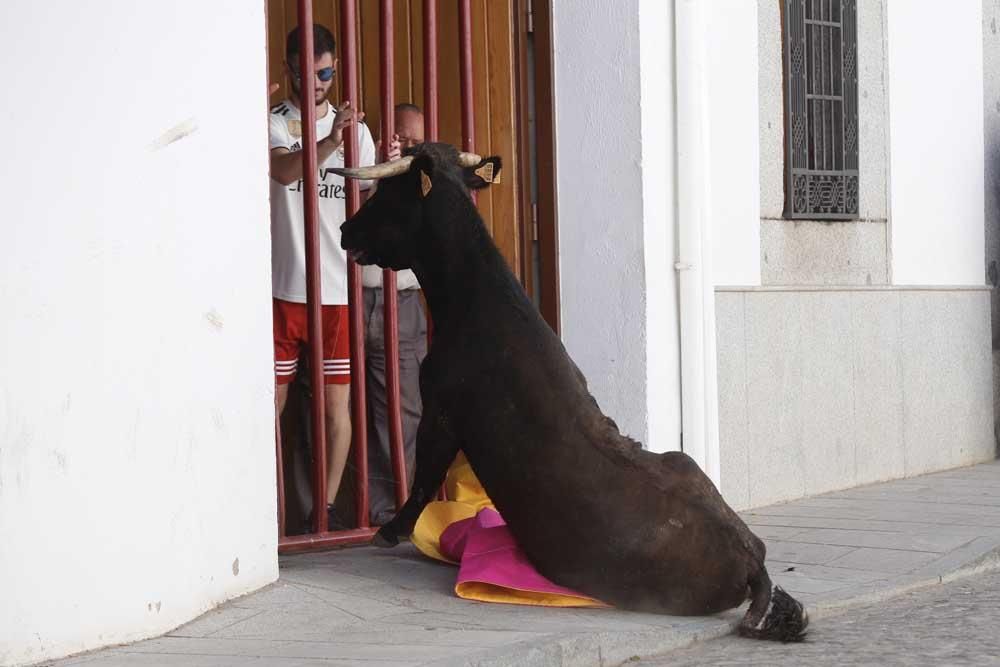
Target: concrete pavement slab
point(366, 606)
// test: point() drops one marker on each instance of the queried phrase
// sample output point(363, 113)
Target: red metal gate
point(321, 537)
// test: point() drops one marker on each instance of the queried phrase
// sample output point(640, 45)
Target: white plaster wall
point(612, 192)
point(733, 138)
point(137, 478)
point(936, 142)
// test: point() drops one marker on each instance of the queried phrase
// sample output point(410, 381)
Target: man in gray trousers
point(412, 350)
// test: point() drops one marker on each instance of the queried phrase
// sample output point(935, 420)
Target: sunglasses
point(323, 75)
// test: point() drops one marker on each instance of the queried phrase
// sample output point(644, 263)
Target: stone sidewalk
point(373, 607)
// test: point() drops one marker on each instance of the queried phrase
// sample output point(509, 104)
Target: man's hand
point(273, 88)
point(395, 148)
point(344, 117)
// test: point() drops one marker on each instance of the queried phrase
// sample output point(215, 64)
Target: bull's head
point(422, 189)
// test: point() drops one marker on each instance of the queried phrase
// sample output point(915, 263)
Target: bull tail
point(773, 614)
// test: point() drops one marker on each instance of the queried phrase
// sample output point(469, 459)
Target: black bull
point(592, 510)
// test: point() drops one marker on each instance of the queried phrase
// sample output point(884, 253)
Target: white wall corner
point(137, 482)
point(659, 216)
point(694, 204)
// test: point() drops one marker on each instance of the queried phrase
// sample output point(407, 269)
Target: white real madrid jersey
point(288, 241)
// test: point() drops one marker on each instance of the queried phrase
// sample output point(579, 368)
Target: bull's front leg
point(437, 447)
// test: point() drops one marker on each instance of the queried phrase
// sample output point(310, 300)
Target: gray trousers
point(412, 350)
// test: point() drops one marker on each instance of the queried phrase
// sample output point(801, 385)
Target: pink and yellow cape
point(466, 530)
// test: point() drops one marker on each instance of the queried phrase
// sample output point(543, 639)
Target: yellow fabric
point(483, 592)
point(437, 516)
point(466, 497)
point(462, 485)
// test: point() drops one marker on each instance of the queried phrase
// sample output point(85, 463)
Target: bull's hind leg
point(436, 449)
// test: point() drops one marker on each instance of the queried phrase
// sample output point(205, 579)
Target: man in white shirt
point(288, 267)
point(412, 350)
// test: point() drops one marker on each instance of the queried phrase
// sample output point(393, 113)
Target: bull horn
point(383, 170)
point(469, 159)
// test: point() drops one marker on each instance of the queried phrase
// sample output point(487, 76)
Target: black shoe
point(333, 522)
point(383, 517)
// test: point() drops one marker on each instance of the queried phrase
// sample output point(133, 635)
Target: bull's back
point(623, 532)
point(591, 510)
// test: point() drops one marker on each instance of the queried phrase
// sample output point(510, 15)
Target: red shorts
point(291, 335)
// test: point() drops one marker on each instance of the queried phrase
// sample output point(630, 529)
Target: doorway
point(512, 93)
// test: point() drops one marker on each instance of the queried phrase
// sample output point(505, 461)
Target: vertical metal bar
point(838, 89)
point(827, 104)
point(359, 411)
point(813, 104)
point(314, 297)
point(465, 77)
point(430, 96)
point(387, 63)
point(822, 88)
point(842, 154)
point(810, 125)
point(830, 53)
point(851, 18)
point(430, 71)
point(833, 91)
point(800, 98)
point(390, 297)
point(465, 67)
point(431, 119)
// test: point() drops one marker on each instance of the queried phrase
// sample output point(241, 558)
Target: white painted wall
point(615, 215)
point(936, 142)
point(696, 288)
point(137, 478)
point(659, 222)
point(733, 139)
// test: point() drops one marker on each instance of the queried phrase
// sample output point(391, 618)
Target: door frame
point(539, 221)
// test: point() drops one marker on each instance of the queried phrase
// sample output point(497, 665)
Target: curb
point(615, 648)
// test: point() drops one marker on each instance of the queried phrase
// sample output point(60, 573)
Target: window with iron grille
point(821, 109)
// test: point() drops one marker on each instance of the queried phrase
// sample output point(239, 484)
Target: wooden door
point(495, 61)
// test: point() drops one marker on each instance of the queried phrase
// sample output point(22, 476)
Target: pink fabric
point(487, 553)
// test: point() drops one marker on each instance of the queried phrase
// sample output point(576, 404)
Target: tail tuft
point(785, 621)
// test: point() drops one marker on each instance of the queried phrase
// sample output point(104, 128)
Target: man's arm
point(286, 165)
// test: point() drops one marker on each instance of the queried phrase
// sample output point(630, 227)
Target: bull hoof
point(385, 539)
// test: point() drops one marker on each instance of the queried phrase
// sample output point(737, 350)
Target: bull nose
point(346, 237)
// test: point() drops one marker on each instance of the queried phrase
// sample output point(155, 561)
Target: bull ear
point(483, 174)
point(423, 166)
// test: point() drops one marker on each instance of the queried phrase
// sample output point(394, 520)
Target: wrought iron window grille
point(821, 109)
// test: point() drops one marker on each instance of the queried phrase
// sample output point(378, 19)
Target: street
point(952, 624)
